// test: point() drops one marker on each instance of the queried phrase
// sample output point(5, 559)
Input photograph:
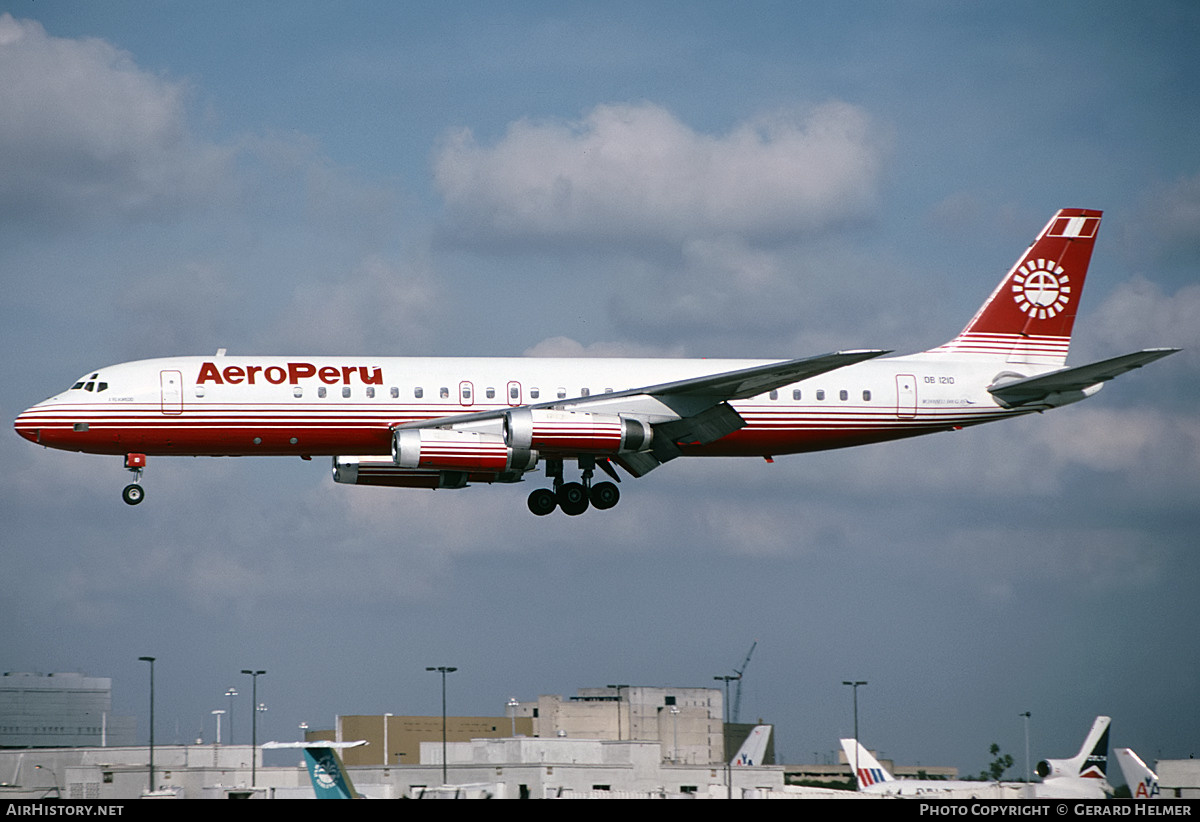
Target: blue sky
point(763, 179)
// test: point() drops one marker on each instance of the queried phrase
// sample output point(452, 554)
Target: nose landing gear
point(134, 493)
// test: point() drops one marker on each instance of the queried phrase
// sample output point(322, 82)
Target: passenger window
point(866, 396)
point(199, 390)
point(418, 392)
point(491, 393)
point(562, 393)
point(585, 392)
point(466, 393)
point(820, 393)
point(444, 392)
point(346, 391)
point(513, 393)
point(370, 391)
point(843, 395)
point(608, 390)
point(321, 391)
point(774, 394)
point(395, 393)
point(297, 391)
point(795, 393)
point(534, 393)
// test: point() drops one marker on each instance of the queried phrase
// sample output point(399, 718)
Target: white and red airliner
point(447, 422)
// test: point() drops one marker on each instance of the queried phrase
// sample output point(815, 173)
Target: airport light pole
point(727, 678)
point(675, 733)
point(385, 745)
point(217, 713)
point(231, 693)
point(254, 675)
point(1026, 714)
point(150, 659)
point(854, 684)
point(512, 706)
point(618, 689)
point(443, 670)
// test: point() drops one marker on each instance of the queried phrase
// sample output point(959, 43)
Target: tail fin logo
point(1041, 288)
point(870, 776)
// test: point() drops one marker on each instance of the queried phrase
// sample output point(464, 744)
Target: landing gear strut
point(134, 493)
point(573, 497)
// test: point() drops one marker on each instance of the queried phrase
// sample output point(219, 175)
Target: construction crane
point(737, 696)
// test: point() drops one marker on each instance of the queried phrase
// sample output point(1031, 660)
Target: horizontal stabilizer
point(1035, 389)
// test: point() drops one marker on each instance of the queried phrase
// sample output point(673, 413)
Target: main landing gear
point(134, 493)
point(574, 497)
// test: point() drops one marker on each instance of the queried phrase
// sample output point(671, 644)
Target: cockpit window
point(90, 384)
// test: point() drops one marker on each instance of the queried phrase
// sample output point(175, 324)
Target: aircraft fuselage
point(324, 406)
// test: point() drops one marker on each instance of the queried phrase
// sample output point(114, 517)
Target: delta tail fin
point(754, 749)
point(1029, 317)
point(867, 770)
point(1090, 763)
point(1142, 782)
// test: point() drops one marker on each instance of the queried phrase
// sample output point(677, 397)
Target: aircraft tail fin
point(328, 774)
point(329, 777)
point(1029, 317)
point(867, 770)
point(754, 749)
point(1090, 763)
point(1143, 782)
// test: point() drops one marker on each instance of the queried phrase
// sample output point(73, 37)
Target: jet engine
point(455, 450)
point(574, 432)
point(382, 471)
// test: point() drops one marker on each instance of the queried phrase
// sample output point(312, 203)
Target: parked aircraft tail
point(1029, 317)
point(1090, 763)
point(329, 777)
point(1143, 782)
point(754, 749)
point(866, 767)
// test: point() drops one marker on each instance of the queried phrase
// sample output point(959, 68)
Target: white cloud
point(567, 347)
point(1174, 213)
point(1158, 453)
point(84, 131)
point(380, 306)
point(636, 173)
point(1139, 314)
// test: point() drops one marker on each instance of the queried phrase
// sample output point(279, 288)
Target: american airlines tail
point(1028, 318)
point(1142, 782)
point(866, 767)
point(754, 749)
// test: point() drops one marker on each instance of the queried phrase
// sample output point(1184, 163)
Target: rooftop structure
point(60, 710)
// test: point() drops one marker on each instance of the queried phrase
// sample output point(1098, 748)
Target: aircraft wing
point(682, 412)
point(747, 382)
point(1035, 389)
point(705, 391)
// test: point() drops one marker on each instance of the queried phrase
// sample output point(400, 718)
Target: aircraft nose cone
point(27, 426)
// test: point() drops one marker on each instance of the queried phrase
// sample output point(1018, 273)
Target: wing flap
point(1079, 378)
